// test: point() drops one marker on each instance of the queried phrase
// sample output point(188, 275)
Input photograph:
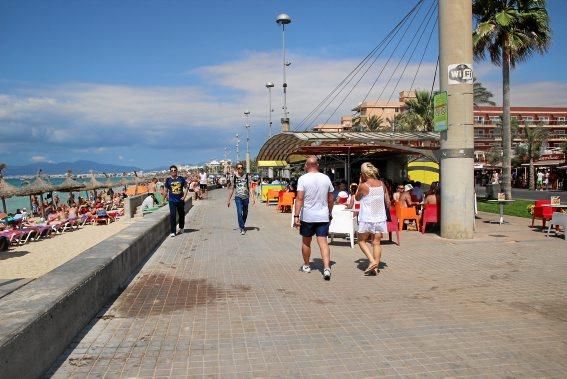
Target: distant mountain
point(78, 167)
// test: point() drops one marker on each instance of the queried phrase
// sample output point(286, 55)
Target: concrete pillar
point(457, 143)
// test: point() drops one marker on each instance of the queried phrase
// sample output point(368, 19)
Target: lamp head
point(246, 113)
point(269, 85)
point(283, 19)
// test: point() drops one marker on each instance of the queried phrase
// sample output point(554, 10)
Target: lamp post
point(283, 19)
point(247, 126)
point(237, 151)
point(269, 86)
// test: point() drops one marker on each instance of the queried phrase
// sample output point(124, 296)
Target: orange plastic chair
point(272, 194)
point(430, 215)
point(286, 201)
point(404, 213)
point(542, 213)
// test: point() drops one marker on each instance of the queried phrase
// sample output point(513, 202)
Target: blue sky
point(156, 82)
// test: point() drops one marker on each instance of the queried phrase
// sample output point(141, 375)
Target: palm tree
point(510, 31)
point(481, 95)
point(530, 149)
point(422, 108)
point(374, 123)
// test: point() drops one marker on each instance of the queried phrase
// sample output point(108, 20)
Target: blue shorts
point(308, 229)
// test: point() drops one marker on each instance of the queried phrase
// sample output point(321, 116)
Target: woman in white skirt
point(372, 222)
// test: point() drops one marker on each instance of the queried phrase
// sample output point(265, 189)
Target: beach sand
point(37, 258)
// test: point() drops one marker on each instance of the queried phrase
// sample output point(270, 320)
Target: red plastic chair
point(393, 226)
point(431, 214)
point(542, 213)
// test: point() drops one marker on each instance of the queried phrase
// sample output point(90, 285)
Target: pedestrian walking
point(175, 186)
point(372, 219)
point(203, 181)
point(241, 185)
point(313, 213)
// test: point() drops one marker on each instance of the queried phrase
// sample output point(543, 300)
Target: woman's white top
point(372, 208)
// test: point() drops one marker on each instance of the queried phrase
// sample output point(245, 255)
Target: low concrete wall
point(132, 203)
point(38, 321)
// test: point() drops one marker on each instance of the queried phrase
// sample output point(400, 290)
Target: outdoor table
point(559, 206)
point(501, 204)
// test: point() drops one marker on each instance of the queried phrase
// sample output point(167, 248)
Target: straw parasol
point(38, 186)
point(70, 184)
point(93, 184)
point(6, 190)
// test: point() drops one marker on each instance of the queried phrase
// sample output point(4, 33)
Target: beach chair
point(404, 213)
point(102, 217)
point(285, 201)
point(558, 219)
point(26, 234)
point(272, 194)
point(542, 213)
point(393, 226)
point(343, 222)
point(431, 214)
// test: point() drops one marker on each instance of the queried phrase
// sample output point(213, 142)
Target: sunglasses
point(173, 170)
point(239, 168)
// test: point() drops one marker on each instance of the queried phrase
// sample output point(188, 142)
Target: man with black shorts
point(314, 203)
point(203, 182)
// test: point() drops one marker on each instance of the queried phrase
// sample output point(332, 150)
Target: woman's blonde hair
point(369, 170)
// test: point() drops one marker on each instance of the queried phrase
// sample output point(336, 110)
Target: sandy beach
point(37, 258)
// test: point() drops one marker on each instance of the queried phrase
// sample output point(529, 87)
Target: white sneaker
point(327, 274)
point(306, 268)
point(172, 235)
point(242, 232)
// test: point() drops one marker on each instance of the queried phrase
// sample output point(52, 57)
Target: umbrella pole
point(4, 204)
point(42, 208)
point(31, 204)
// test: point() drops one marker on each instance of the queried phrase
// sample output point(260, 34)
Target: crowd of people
point(54, 216)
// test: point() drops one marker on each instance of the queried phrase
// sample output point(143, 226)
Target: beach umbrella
point(38, 186)
point(93, 184)
point(6, 190)
point(70, 184)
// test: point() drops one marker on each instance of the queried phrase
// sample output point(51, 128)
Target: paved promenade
point(214, 303)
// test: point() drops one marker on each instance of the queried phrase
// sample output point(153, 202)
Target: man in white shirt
point(314, 203)
point(203, 182)
point(149, 201)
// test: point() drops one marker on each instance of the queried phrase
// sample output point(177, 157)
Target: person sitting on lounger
point(149, 202)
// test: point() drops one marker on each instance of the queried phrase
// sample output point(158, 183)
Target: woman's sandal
point(370, 268)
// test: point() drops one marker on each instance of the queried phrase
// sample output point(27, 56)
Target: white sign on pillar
point(460, 73)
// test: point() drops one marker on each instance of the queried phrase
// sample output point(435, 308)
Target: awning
point(272, 163)
point(550, 162)
point(283, 146)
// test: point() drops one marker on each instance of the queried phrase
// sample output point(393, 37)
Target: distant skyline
point(158, 82)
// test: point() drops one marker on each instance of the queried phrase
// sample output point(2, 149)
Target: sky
point(150, 83)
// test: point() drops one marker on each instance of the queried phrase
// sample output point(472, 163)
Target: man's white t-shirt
point(203, 177)
point(316, 187)
point(540, 176)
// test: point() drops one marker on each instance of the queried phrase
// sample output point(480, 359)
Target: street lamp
point(269, 86)
point(283, 19)
point(237, 151)
point(247, 126)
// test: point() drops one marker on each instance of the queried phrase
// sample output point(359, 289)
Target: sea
point(18, 202)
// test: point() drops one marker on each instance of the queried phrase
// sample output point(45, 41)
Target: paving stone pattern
point(214, 303)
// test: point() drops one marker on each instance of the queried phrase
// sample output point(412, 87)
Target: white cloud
point(79, 119)
point(38, 158)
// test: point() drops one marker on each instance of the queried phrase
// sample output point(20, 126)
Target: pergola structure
point(293, 147)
